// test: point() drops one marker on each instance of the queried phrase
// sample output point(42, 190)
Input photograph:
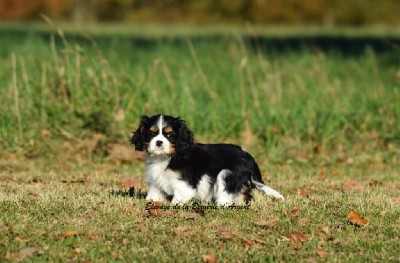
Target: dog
point(183, 170)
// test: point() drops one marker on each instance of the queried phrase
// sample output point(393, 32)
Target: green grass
point(41, 202)
point(313, 119)
point(221, 88)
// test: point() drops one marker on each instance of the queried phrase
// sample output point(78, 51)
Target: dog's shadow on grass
point(131, 192)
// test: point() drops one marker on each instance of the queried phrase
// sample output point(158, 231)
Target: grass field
point(83, 213)
point(323, 125)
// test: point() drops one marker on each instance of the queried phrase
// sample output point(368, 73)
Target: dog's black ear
point(185, 140)
point(138, 136)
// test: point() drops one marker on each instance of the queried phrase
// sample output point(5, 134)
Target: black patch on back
point(211, 159)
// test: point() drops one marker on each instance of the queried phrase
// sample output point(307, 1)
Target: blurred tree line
point(354, 12)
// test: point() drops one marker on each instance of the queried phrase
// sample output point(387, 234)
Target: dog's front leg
point(156, 194)
point(182, 193)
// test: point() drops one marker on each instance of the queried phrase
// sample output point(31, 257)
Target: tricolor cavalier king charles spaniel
point(181, 169)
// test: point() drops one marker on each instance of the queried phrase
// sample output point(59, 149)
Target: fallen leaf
point(226, 233)
point(335, 209)
point(321, 176)
point(179, 230)
point(88, 236)
point(317, 149)
point(116, 255)
point(207, 241)
point(129, 183)
point(199, 211)
point(295, 210)
point(9, 156)
point(274, 129)
point(191, 215)
point(264, 233)
point(324, 228)
point(69, 234)
point(157, 209)
point(333, 240)
point(261, 241)
point(375, 183)
point(46, 133)
point(267, 223)
point(210, 258)
point(303, 192)
point(303, 220)
point(22, 239)
point(23, 253)
point(296, 237)
point(335, 172)
point(186, 233)
point(154, 210)
point(8, 179)
point(356, 219)
point(143, 228)
point(297, 246)
point(250, 243)
point(247, 242)
point(221, 246)
point(352, 185)
point(88, 176)
point(321, 252)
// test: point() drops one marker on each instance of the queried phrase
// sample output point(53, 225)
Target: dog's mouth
point(158, 151)
point(162, 150)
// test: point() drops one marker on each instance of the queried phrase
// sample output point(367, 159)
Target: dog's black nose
point(159, 143)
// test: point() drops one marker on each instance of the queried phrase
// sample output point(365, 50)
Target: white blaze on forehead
point(160, 124)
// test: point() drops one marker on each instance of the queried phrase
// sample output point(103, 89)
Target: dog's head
point(162, 135)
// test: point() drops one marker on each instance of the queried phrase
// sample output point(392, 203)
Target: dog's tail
point(258, 183)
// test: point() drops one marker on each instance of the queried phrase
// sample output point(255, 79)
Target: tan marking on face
point(172, 150)
point(168, 129)
point(154, 128)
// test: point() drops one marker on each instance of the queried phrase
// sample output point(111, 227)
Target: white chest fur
point(159, 176)
point(163, 181)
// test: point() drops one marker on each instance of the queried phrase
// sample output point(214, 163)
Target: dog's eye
point(152, 133)
point(169, 135)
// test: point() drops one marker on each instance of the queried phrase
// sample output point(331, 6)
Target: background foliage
point(295, 103)
point(355, 12)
